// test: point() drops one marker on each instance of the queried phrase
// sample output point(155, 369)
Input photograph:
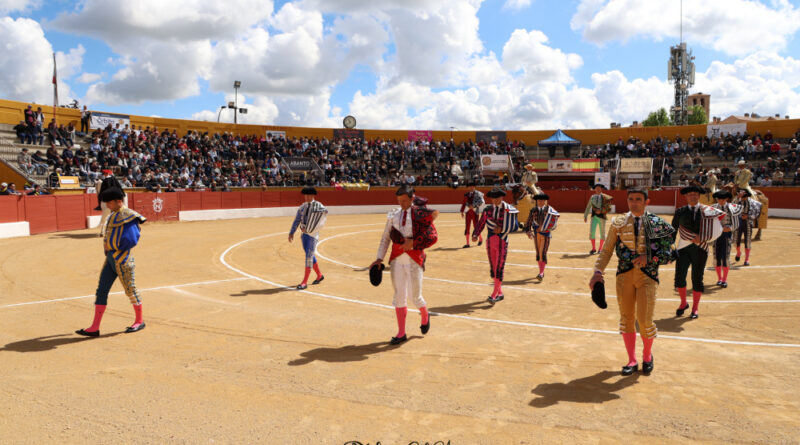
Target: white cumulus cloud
point(736, 27)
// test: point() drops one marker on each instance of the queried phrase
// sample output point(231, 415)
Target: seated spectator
point(38, 191)
point(25, 162)
point(53, 178)
point(40, 162)
point(765, 182)
point(777, 178)
point(52, 155)
point(10, 189)
point(796, 180)
point(22, 133)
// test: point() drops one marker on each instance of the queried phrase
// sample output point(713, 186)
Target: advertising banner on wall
point(102, 120)
point(272, 134)
point(344, 133)
point(603, 178)
point(496, 163)
point(298, 163)
point(490, 136)
point(559, 165)
point(420, 135)
point(636, 165)
point(718, 130)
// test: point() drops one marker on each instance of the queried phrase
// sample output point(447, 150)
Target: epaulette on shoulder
point(619, 220)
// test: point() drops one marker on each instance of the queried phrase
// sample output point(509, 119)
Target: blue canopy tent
point(559, 139)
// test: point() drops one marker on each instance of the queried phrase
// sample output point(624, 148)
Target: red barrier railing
point(69, 212)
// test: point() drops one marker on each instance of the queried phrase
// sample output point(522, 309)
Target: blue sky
point(579, 63)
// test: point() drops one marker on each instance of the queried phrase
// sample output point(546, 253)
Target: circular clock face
point(349, 122)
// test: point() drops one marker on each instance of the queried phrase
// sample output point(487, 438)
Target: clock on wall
point(349, 122)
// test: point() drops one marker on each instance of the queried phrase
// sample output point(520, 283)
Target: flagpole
point(55, 89)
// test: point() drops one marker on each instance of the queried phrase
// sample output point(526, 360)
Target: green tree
point(697, 115)
point(658, 118)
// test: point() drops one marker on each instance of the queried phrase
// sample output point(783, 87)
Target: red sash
point(417, 255)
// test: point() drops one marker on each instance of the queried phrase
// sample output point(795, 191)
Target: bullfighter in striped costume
point(500, 219)
point(751, 210)
point(409, 231)
point(722, 245)
point(473, 202)
point(697, 225)
point(121, 236)
point(542, 221)
point(598, 207)
point(310, 218)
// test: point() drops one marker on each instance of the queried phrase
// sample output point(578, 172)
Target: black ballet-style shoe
point(318, 280)
point(681, 310)
point(87, 333)
point(628, 370)
point(499, 297)
point(724, 284)
point(480, 242)
point(694, 316)
point(540, 277)
point(398, 340)
point(426, 327)
point(491, 299)
point(592, 252)
point(719, 283)
point(747, 263)
point(466, 246)
point(130, 329)
point(301, 286)
point(737, 258)
point(647, 367)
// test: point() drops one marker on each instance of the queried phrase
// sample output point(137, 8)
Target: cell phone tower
point(680, 71)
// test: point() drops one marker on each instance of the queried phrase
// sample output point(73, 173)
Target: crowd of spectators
point(164, 160)
point(771, 162)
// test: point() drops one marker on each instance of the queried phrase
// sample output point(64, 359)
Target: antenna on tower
point(681, 71)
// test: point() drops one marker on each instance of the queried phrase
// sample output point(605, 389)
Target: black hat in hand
point(599, 294)
point(376, 274)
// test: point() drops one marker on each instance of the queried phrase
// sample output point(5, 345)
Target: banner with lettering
point(495, 163)
point(344, 133)
point(490, 136)
point(420, 135)
point(719, 130)
point(102, 120)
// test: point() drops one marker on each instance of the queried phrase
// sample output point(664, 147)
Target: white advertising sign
point(559, 165)
point(102, 120)
point(603, 178)
point(718, 130)
point(495, 163)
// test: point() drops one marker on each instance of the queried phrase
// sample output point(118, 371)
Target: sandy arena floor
point(231, 355)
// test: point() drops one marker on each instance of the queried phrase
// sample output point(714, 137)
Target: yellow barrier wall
point(11, 112)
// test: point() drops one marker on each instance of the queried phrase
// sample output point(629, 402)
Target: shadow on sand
point(349, 353)
point(50, 342)
point(592, 389)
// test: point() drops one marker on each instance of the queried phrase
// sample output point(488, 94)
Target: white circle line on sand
point(525, 289)
point(171, 286)
point(479, 319)
point(198, 283)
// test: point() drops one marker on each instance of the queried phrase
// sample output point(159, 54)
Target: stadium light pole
point(220, 111)
point(236, 85)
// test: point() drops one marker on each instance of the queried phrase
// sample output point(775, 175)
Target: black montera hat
point(692, 188)
point(111, 194)
point(723, 194)
point(599, 294)
point(600, 184)
point(541, 196)
point(496, 192)
point(376, 274)
point(309, 191)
